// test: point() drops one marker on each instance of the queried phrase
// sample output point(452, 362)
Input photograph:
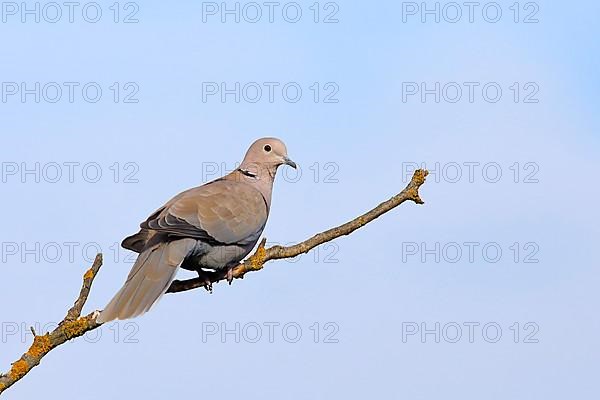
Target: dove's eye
point(267, 148)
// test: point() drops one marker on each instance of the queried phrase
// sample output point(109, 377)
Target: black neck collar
point(247, 173)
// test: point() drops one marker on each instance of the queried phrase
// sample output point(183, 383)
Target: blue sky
point(364, 293)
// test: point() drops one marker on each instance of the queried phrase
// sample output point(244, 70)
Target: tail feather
point(148, 280)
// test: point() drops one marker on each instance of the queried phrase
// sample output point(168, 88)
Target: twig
point(74, 325)
point(262, 255)
point(70, 327)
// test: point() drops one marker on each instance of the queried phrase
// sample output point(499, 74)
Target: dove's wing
point(226, 212)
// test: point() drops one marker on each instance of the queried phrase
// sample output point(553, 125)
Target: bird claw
point(207, 280)
point(230, 275)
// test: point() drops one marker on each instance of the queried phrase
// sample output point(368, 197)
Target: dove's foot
point(206, 278)
point(230, 275)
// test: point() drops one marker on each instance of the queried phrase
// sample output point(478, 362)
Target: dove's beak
point(289, 162)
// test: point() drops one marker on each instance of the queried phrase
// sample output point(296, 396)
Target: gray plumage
point(213, 226)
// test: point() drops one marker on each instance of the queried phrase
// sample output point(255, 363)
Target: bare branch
point(262, 255)
point(88, 278)
point(74, 325)
point(71, 326)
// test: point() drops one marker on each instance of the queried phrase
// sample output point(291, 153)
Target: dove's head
point(266, 154)
point(260, 165)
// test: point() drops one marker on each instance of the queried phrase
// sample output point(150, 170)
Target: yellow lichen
point(18, 369)
point(2, 387)
point(420, 175)
point(89, 274)
point(41, 345)
point(75, 328)
point(258, 259)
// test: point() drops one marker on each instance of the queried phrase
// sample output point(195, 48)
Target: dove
point(209, 227)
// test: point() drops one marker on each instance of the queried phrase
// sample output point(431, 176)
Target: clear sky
point(489, 290)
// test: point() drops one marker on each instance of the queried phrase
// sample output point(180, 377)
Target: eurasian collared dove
point(213, 226)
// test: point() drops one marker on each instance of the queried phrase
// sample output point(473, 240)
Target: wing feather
point(222, 211)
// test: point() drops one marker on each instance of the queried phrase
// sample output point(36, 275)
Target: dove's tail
point(148, 280)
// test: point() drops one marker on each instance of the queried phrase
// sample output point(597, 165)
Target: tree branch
point(262, 254)
point(74, 325)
